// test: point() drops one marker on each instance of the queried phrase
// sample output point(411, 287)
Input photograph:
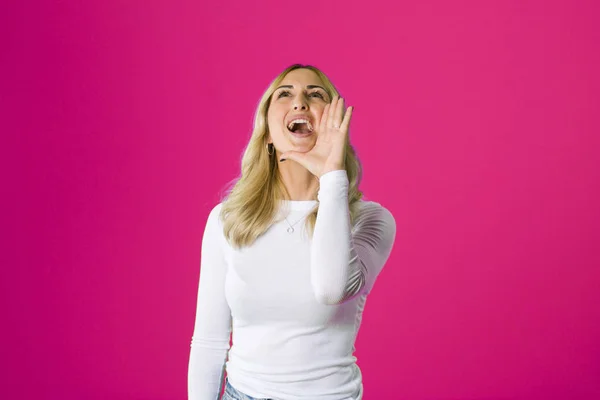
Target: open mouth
point(301, 127)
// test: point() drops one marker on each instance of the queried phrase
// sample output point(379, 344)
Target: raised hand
point(329, 151)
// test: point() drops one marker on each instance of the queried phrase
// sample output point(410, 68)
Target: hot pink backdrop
point(477, 123)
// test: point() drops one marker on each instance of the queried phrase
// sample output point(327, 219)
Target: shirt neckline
point(299, 205)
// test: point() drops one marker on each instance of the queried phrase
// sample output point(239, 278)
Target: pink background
point(477, 123)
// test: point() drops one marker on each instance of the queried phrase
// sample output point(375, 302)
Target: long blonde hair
point(251, 205)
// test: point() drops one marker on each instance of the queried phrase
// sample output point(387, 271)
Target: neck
point(298, 181)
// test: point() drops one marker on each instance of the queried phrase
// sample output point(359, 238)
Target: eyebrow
point(307, 86)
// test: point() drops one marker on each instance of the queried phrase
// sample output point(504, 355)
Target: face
point(300, 97)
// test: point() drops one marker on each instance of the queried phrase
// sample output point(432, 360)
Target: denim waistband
point(232, 393)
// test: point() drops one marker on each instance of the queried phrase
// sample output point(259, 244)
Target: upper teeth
point(300, 121)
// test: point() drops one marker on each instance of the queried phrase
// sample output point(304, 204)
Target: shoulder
point(214, 227)
point(216, 210)
point(214, 219)
point(374, 224)
point(374, 229)
point(373, 212)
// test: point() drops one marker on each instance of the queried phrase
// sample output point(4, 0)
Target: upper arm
point(212, 327)
point(373, 236)
point(213, 316)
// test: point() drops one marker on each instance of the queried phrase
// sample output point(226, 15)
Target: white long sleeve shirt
point(292, 304)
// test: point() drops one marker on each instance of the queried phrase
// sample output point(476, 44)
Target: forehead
point(302, 77)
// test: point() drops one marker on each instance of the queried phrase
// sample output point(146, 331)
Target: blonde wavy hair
point(251, 205)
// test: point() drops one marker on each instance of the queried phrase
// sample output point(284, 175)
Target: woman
point(289, 283)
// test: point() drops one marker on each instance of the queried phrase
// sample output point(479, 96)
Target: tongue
point(301, 128)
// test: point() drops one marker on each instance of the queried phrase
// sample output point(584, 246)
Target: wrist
point(331, 168)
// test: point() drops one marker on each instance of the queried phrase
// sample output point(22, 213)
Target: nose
point(300, 103)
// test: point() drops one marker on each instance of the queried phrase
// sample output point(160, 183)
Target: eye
point(286, 93)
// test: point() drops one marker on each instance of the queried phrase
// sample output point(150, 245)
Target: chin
point(306, 140)
point(302, 147)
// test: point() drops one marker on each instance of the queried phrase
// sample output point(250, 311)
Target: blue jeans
point(232, 393)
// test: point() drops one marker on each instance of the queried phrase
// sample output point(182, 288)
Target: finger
point(323, 122)
point(346, 121)
point(331, 113)
point(339, 111)
point(291, 155)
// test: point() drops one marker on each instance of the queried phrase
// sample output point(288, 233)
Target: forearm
point(212, 325)
point(206, 369)
point(332, 271)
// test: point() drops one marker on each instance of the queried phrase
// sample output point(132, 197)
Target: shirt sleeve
point(212, 327)
point(346, 259)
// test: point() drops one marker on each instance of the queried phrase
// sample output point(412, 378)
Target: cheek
point(275, 118)
point(319, 115)
point(275, 128)
point(270, 118)
point(272, 122)
point(272, 114)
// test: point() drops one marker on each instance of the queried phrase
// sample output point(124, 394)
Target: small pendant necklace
point(290, 230)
